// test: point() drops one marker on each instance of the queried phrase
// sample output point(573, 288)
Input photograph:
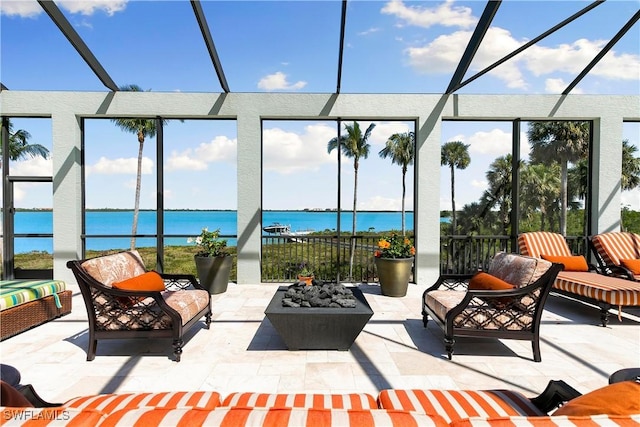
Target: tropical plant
point(395, 246)
point(306, 270)
point(540, 185)
point(454, 154)
point(19, 146)
point(210, 243)
point(353, 145)
point(630, 167)
point(562, 142)
point(401, 147)
point(143, 128)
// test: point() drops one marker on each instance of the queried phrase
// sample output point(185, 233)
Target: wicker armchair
point(120, 314)
point(507, 314)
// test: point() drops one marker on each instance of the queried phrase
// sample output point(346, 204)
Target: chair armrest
point(557, 393)
point(618, 271)
point(30, 394)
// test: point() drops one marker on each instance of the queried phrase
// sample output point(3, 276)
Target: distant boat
point(277, 228)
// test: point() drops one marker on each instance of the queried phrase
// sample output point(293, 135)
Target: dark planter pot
point(394, 274)
point(213, 272)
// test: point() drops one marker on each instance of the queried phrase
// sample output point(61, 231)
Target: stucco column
point(67, 194)
point(249, 197)
point(607, 172)
point(427, 197)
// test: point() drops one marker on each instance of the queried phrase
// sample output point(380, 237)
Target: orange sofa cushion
point(616, 399)
point(631, 264)
point(486, 281)
point(150, 281)
point(571, 263)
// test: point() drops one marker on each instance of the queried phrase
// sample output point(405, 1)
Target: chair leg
point(177, 349)
point(91, 350)
point(448, 345)
point(425, 320)
point(207, 320)
point(604, 313)
point(535, 344)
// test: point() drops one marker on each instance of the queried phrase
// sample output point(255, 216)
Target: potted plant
point(213, 262)
point(305, 274)
point(394, 260)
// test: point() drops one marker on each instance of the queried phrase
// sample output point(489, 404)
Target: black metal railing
point(283, 257)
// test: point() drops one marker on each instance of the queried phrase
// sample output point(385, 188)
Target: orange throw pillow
point(150, 281)
point(571, 263)
point(631, 264)
point(616, 399)
point(486, 281)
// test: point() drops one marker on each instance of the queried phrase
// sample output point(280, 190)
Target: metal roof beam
point(74, 38)
point(532, 42)
point(208, 40)
point(343, 21)
point(474, 43)
point(603, 52)
point(3, 87)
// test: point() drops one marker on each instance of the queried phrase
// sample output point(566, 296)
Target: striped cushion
point(57, 416)
point(540, 243)
point(457, 404)
point(613, 290)
point(302, 400)
point(176, 399)
point(269, 417)
point(613, 247)
point(592, 421)
point(16, 292)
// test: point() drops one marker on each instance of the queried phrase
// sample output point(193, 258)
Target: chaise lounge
point(578, 279)
point(123, 300)
point(618, 254)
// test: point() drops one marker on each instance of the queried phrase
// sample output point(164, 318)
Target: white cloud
point(495, 142)
point(36, 166)
point(380, 203)
point(31, 8)
point(369, 31)
point(278, 81)
point(441, 56)
point(481, 185)
point(557, 86)
point(85, 7)
point(218, 149)
point(121, 166)
point(289, 152)
point(383, 131)
point(22, 8)
point(444, 14)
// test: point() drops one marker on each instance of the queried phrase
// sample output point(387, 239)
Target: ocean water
point(181, 224)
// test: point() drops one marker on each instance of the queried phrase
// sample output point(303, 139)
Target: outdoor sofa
point(614, 405)
point(25, 304)
point(124, 301)
point(579, 279)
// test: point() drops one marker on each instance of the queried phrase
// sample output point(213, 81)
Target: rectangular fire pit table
point(318, 328)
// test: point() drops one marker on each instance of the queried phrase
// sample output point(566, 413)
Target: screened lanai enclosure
point(303, 144)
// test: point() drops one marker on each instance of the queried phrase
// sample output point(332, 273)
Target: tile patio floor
point(243, 352)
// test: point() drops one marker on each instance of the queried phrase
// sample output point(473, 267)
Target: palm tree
point(499, 191)
point(630, 166)
point(454, 154)
point(400, 147)
point(541, 190)
point(562, 142)
point(19, 147)
point(353, 145)
point(143, 128)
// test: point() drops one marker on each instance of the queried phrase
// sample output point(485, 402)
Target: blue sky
point(292, 46)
